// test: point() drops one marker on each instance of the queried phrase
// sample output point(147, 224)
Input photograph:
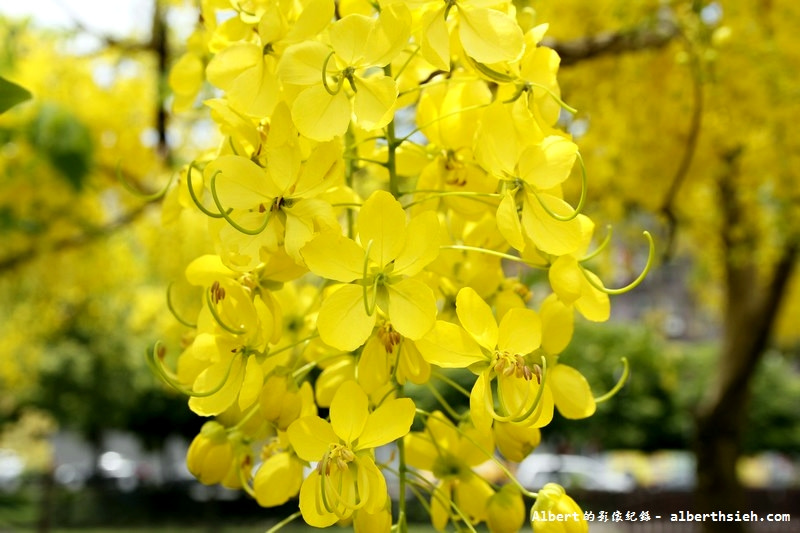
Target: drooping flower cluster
point(382, 165)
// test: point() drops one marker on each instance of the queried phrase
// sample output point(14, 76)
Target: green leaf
point(11, 94)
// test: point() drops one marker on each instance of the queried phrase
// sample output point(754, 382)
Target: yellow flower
point(280, 475)
point(216, 456)
point(278, 205)
point(569, 280)
point(390, 250)
point(506, 510)
point(358, 44)
point(551, 502)
point(387, 353)
point(571, 392)
point(450, 454)
point(501, 352)
point(346, 479)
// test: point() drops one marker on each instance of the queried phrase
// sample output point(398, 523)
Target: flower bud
point(514, 441)
point(555, 512)
point(210, 455)
point(505, 512)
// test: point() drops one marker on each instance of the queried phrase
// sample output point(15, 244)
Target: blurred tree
point(83, 262)
point(696, 131)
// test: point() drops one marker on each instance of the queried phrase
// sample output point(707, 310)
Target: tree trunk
point(752, 304)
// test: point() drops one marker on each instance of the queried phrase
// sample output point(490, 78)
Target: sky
point(118, 18)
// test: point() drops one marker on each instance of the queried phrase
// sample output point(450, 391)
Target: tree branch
point(26, 256)
point(650, 36)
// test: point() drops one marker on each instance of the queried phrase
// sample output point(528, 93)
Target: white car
point(11, 468)
point(571, 472)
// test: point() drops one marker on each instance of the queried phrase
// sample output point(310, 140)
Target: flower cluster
point(383, 164)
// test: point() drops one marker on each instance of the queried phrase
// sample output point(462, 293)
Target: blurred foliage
point(655, 409)
point(84, 263)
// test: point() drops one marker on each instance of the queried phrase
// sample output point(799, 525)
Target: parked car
point(572, 472)
point(11, 468)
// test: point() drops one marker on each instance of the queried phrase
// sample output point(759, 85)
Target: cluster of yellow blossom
point(380, 163)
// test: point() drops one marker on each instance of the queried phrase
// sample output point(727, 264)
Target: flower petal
point(343, 321)
point(311, 437)
point(382, 222)
point(449, 346)
point(349, 411)
point(389, 422)
point(520, 331)
point(412, 307)
point(571, 392)
point(477, 318)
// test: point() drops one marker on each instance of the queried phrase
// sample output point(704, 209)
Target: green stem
point(291, 518)
point(494, 253)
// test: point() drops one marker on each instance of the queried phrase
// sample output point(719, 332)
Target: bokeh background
point(687, 114)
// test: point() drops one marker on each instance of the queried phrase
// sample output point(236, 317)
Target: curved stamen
point(218, 319)
point(554, 96)
point(226, 214)
point(632, 285)
point(602, 246)
point(196, 201)
point(133, 190)
point(581, 201)
point(172, 310)
point(170, 379)
point(369, 308)
point(620, 383)
point(325, 77)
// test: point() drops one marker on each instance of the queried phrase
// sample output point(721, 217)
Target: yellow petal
point(440, 505)
point(508, 222)
point(251, 384)
point(374, 369)
point(312, 20)
point(421, 244)
point(311, 437)
point(240, 183)
point(489, 36)
point(230, 62)
point(319, 115)
point(435, 39)
point(472, 495)
point(593, 304)
point(207, 269)
point(382, 222)
point(278, 480)
point(449, 346)
point(548, 234)
point(412, 308)
point(571, 392)
point(520, 332)
point(374, 101)
point(557, 323)
point(372, 486)
point(481, 417)
point(331, 255)
point(387, 423)
point(548, 164)
point(311, 504)
point(421, 452)
point(301, 63)
point(186, 75)
point(210, 379)
point(566, 278)
point(477, 318)
point(348, 38)
point(343, 321)
point(349, 411)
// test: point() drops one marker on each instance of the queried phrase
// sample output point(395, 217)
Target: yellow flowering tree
point(673, 129)
point(388, 176)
